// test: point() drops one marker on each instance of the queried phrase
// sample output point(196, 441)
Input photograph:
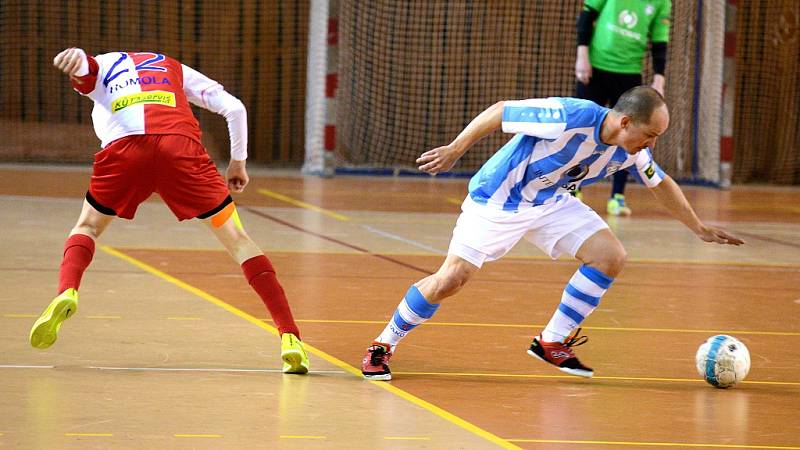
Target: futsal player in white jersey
point(523, 191)
point(151, 144)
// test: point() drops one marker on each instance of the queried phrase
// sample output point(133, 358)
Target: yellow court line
point(198, 435)
point(184, 318)
point(303, 437)
point(572, 377)
point(302, 204)
point(536, 326)
point(329, 358)
point(400, 438)
point(454, 201)
point(104, 317)
point(651, 444)
point(90, 434)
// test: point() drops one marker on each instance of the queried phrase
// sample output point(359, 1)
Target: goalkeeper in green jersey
point(613, 37)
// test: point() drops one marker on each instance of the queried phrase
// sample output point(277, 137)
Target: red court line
point(768, 239)
point(334, 240)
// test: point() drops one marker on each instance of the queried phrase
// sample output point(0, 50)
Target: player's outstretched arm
point(669, 194)
point(81, 69)
point(442, 159)
point(207, 93)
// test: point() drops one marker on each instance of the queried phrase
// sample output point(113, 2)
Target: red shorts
point(178, 168)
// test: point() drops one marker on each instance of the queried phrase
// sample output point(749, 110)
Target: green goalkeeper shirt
point(622, 29)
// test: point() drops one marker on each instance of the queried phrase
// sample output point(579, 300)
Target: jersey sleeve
point(659, 30)
point(539, 117)
point(646, 170)
point(198, 86)
point(596, 5)
point(207, 93)
point(85, 79)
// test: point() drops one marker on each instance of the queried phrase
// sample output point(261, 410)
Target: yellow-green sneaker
point(616, 206)
point(45, 329)
point(295, 359)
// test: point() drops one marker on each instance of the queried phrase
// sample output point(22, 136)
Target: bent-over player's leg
point(261, 276)
point(603, 257)
point(78, 253)
point(418, 305)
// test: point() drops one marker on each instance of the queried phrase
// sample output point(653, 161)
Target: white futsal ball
point(722, 361)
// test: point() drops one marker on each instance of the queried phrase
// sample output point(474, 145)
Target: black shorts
point(605, 88)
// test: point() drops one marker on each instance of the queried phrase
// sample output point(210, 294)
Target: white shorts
point(484, 233)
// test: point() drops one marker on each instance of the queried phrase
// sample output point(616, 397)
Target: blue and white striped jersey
point(556, 149)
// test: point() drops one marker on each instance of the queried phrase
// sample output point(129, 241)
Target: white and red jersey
point(149, 93)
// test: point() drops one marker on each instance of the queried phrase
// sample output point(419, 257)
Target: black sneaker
point(561, 355)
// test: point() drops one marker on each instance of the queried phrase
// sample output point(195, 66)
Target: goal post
point(321, 71)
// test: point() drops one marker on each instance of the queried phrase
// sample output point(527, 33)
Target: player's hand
point(583, 68)
point(236, 175)
point(69, 61)
point(711, 234)
point(440, 159)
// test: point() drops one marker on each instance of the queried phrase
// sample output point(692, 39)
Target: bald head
point(637, 120)
point(639, 103)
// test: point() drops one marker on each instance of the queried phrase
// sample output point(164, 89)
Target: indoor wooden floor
point(171, 349)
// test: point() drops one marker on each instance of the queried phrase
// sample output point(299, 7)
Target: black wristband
point(586, 25)
point(659, 52)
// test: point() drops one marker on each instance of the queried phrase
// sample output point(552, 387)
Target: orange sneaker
point(375, 365)
point(561, 355)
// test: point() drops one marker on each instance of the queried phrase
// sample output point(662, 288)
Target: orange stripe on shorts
point(219, 219)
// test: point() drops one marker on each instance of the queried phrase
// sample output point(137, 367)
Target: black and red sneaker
point(561, 355)
point(375, 365)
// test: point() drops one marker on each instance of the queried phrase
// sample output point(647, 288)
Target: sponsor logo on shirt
point(650, 171)
point(543, 178)
point(148, 98)
point(625, 32)
point(613, 167)
point(628, 19)
point(148, 79)
point(575, 174)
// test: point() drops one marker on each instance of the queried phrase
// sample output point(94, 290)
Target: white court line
point(403, 240)
point(12, 366)
point(172, 369)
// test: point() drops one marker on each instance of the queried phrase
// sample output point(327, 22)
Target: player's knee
point(613, 261)
point(451, 281)
point(92, 230)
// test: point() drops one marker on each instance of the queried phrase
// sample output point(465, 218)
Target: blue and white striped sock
point(580, 298)
point(412, 311)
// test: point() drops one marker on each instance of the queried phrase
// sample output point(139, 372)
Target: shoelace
point(575, 340)
point(377, 355)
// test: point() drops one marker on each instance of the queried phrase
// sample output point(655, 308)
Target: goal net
point(412, 74)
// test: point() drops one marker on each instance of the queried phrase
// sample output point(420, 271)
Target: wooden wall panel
point(256, 49)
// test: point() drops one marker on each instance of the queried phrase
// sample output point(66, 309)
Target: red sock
point(261, 276)
point(78, 253)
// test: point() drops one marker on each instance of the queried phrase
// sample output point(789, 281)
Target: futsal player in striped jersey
point(523, 191)
point(151, 143)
